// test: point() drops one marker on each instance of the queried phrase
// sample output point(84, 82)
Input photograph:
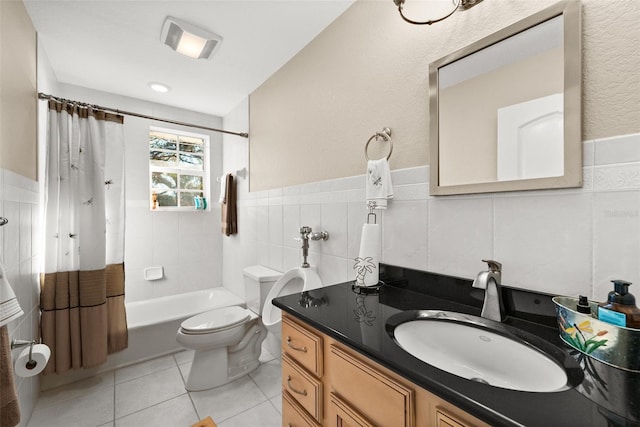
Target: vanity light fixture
point(188, 39)
point(457, 5)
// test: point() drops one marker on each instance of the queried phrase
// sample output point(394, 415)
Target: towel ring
point(386, 134)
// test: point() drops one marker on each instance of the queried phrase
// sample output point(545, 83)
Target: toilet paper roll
point(367, 263)
point(39, 358)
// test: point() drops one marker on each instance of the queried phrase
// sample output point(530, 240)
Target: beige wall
point(369, 69)
point(17, 90)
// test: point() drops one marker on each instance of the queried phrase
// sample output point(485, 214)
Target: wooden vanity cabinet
point(326, 383)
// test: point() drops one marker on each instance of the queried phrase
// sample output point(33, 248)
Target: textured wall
point(369, 69)
point(17, 90)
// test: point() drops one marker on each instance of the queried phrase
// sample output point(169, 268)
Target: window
point(178, 169)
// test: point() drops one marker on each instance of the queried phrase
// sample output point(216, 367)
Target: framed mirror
point(505, 111)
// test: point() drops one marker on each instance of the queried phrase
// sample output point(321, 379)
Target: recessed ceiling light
point(159, 87)
point(188, 39)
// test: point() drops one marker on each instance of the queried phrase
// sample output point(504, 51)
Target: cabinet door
point(342, 415)
point(385, 401)
point(445, 419)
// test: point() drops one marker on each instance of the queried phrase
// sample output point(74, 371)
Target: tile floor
point(152, 393)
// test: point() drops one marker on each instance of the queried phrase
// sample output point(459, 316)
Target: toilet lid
point(220, 318)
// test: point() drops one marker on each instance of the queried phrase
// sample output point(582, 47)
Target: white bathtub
point(141, 314)
point(152, 329)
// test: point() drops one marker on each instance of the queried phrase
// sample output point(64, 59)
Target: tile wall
point(20, 256)
point(569, 241)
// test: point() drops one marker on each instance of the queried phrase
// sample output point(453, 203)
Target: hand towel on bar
point(9, 407)
point(367, 263)
point(229, 213)
point(378, 186)
point(9, 307)
point(223, 189)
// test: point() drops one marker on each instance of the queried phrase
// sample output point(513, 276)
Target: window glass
point(177, 166)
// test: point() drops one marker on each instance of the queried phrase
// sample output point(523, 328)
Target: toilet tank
point(258, 281)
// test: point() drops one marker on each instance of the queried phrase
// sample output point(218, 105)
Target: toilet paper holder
point(23, 343)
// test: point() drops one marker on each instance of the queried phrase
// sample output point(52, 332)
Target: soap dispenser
point(620, 308)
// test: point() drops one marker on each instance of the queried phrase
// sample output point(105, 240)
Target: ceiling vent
point(188, 39)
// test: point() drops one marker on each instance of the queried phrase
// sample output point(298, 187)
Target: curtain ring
point(386, 135)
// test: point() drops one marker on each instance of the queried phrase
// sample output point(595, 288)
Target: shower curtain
point(82, 288)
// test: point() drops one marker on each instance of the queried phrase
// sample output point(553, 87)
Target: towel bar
point(386, 135)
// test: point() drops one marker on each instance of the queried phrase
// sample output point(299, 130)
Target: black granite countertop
point(607, 396)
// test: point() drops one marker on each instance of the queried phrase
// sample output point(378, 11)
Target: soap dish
point(614, 345)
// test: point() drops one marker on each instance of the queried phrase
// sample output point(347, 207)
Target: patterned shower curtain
point(82, 288)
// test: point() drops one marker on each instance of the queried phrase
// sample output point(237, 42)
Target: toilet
point(293, 281)
point(228, 341)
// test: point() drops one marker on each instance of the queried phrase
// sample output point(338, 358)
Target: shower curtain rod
point(143, 116)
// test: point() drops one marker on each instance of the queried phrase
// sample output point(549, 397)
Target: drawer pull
point(303, 392)
point(302, 349)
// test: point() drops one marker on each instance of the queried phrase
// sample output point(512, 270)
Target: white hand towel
point(367, 263)
point(378, 186)
point(9, 307)
point(223, 189)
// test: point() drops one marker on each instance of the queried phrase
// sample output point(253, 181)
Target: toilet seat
point(215, 320)
point(293, 281)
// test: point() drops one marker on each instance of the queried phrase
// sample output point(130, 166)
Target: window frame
point(205, 172)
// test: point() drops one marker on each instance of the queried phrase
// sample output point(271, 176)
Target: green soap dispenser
point(620, 308)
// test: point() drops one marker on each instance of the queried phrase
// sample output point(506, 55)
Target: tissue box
point(614, 345)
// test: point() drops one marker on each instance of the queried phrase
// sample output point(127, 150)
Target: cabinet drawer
point(385, 401)
point(293, 415)
point(302, 345)
point(305, 389)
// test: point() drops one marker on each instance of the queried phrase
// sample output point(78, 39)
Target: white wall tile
point(460, 235)
point(19, 246)
point(275, 225)
point(262, 224)
point(310, 215)
point(616, 218)
point(617, 177)
point(618, 149)
point(291, 226)
point(357, 217)
point(417, 175)
point(404, 240)
point(292, 258)
point(11, 249)
point(276, 260)
point(191, 278)
point(545, 243)
point(333, 270)
point(334, 221)
point(262, 253)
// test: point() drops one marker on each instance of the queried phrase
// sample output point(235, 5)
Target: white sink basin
point(479, 349)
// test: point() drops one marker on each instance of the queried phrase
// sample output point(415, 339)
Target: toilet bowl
point(293, 281)
point(226, 342)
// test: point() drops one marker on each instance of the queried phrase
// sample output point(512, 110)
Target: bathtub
point(152, 330)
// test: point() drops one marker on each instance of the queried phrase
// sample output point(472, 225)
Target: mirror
point(505, 111)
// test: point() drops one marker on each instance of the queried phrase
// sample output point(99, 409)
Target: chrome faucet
point(490, 281)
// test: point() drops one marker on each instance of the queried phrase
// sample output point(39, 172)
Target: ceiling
point(114, 45)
